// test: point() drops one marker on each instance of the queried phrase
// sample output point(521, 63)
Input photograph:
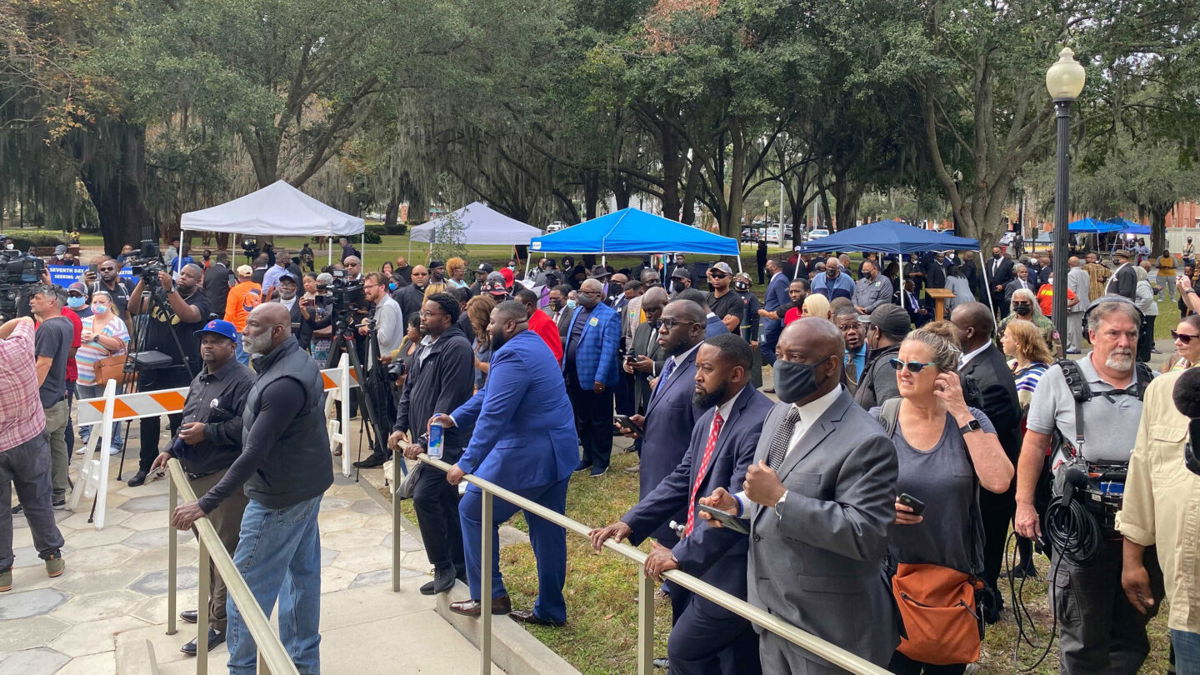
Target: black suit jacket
point(999, 275)
point(1123, 283)
point(990, 373)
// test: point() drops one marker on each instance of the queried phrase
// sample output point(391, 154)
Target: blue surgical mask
point(391, 285)
point(571, 303)
point(75, 302)
point(99, 309)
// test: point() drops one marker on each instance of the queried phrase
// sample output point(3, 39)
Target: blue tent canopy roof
point(890, 236)
point(633, 231)
point(1129, 227)
point(1092, 226)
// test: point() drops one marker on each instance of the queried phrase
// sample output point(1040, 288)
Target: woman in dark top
point(945, 451)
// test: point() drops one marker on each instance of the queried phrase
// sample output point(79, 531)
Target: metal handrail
point(760, 617)
point(272, 657)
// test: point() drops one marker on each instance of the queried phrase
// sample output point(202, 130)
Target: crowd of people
point(887, 478)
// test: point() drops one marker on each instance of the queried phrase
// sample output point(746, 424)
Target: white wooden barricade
point(92, 471)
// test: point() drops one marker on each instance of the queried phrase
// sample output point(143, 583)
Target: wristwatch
point(967, 428)
point(779, 505)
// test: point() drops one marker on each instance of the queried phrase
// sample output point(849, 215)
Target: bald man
point(834, 282)
point(591, 371)
point(819, 497)
point(285, 469)
point(412, 296)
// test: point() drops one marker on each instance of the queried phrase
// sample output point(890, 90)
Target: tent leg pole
point(987, 284)
point(329, 251)
point(362, 241)
point(900, 280)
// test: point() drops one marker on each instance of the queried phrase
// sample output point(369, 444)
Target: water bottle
point(435, 440)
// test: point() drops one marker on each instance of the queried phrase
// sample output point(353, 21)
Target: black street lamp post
point(1064, 81)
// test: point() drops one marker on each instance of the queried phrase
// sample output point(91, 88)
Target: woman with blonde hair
point(456, 272)
point(479, 312)
point(433, 289)
point(945, 451)
point(1023, 343)
point(816, 305)
point(1024, 305)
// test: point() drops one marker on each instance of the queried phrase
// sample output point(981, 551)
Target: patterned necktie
point(783, 438)
point(662, 379)
point(717, 423)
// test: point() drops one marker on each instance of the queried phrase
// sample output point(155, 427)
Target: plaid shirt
point(21, 414)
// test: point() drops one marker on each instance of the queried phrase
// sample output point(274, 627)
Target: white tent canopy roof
point(482, 226)
point(278, 209)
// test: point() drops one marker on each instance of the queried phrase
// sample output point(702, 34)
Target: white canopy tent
point(276, 210)
point(481, 226)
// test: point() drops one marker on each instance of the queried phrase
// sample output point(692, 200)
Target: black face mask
point(1022, 308)
point(677, 285)
point(615, 288)
point(794, 381)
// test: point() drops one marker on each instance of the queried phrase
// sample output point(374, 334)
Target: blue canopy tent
point(892, 236)
point(1129, 227)
point(1092, 226)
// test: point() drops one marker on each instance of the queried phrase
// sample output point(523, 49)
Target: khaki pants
point(55, 435)
point(227, 520)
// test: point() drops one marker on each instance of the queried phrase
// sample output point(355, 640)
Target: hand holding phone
point(625, 422)
point(917, 506)
point(727, 520)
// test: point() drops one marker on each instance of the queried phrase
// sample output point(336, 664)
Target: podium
point(939, 296)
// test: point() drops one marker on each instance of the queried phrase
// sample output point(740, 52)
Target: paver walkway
point(97, 617)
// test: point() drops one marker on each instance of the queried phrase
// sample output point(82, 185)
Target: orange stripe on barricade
point(121, 409)
point(328, 381)
point(171, 400)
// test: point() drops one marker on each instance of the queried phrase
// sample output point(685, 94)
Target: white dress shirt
point(966, 358)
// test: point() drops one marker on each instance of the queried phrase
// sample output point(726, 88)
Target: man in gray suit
point(819, 497)
point(1079, 283)
point(646, 355)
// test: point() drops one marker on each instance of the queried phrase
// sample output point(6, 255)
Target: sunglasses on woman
point(1183, 337)
point(913, 366)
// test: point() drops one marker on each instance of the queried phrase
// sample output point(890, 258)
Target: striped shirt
point(91, 352)
point(21, 413)
point(1027, 380)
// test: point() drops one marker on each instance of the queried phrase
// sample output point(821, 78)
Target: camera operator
point(170, 325)
point(209, 441)
point(1101, 630)
point(389, 331)
point(107, 279)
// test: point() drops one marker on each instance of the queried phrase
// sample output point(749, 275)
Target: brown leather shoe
point(500, 605)
point(527, 616)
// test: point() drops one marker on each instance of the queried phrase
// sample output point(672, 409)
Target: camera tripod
point(376, 430)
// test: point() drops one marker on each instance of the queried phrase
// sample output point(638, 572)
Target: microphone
point(1076, 481)
point(1186, 393)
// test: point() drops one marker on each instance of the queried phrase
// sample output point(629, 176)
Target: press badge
point(593, 321)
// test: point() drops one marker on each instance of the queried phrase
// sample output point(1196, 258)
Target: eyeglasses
point(717, 275)
point(108, 269)
point(351, 264)
point(913, 366)
point(425, 314)
point(1184, 338)
point(671, 323)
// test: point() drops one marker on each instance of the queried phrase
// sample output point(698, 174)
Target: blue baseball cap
point(219, 327)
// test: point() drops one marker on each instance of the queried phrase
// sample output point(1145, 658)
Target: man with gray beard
point(1101, 631)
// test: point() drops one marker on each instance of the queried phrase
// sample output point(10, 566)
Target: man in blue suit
point(774, 306)
point(590, 370)
point(670, 413)
point(706, 638)
point(523, 441)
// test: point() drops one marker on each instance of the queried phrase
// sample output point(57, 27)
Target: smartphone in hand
point(917, 506)
point(625, 422)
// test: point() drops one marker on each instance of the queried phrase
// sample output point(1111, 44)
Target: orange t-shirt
point(242, 299)
point(1045, 296)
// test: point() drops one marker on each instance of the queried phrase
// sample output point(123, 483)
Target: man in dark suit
point(670, 413)
point(1020, 281)
point(217, 282)
point(999, 273)
point(590, 369)
point(705, 638)
point(559, 311)
point(646, 360)
point(524, 441)
point(984, 365)
point(1123, 281)
point(820, 497)
point(774, 305)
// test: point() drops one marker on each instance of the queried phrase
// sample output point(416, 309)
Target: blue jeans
point(279, 555)
point(549, 545)
point(1187, 652)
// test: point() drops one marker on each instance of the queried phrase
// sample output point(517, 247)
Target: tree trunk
point(688, 214)
point(392, 213)
point(731, 222)
point(672, 171)
point(1158, 227)
point(112, 166)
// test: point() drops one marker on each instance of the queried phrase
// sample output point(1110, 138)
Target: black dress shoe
point(443, 581)
point(371, 462)
point(190, 615)
point(17, 509)
point(527, 616)
point(215, 637)
point(500, 605)
point(139, 478)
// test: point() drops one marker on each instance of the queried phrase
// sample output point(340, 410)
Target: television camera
point(18, 272)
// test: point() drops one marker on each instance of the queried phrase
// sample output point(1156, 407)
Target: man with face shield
point(815, 560)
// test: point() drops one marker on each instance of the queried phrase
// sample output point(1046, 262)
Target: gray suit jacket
point(646, 334)
point(1079, 283)
point(819, 564)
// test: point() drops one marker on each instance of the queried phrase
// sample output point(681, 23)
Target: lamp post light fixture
point(1064, 81)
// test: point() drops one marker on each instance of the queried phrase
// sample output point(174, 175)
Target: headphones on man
point(1105, 299)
